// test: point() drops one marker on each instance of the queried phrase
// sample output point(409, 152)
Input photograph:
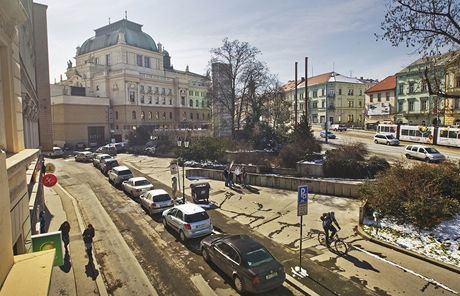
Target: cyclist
point(328, 221)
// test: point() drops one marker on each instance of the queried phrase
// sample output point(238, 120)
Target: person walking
point(230, 179)
point(65, 230)
point(244, 175)
point(226, 174)
point(42, 220)
point(88, 236)
point(238, 175)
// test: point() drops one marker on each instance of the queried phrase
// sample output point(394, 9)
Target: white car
point(119, 174)
point(387, 139)
point(136, 186)
point(98, 158)
point(156, 201)
point(189, 220)
point(426, 153)
point(84, 156)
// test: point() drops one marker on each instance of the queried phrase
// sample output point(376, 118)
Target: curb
point(407, 252)
point(299, 286)
point(99, 282)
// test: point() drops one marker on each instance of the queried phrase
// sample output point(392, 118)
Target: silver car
point(387, 139)
point(136, 186)
point(428, 154)
point(189, 220)
point(84, 156)
point(156, 201)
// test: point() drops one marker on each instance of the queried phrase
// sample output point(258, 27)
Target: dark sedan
point(248, 263)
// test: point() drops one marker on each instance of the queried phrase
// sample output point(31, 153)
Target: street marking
point(202, 285)
point(432, 281)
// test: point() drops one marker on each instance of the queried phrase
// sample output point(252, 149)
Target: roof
point(190, 208)
point(320, 79)
point(157, 192)
point(120, 168)
point(437, 60)
point(388, 83)
point(122, 31)
point(243, 243)
point(137, 179)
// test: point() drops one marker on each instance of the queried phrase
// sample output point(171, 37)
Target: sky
point(334, 34)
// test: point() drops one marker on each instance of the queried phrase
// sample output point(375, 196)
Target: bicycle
point(340, 246)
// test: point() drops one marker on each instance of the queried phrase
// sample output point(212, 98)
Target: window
point(202, 104)
point(350, 91)
point(107, 59)
point(163, 101)
point(423, 105)
point(147, 62)
point(456, 103)
point(191, 115)
point(190, 92)
point(170, 101)
point(350, 104)
point(190, 103)
point(164, 115)
point(182, 101)
point(411, 106)
point(371, 98)
point(315, 105)
point(424, 87)
point(116, 115)
point(411, 87)
point(323, 104)
point(350, 117)
point(133, 114)
point(132, 96)
point(142, 115)
point(360, 103)
point(170, 115)
point(142, 99)
point(322, 92)
point(360, 92)
point(197, 93)
point(157, 100)
point(387, 96)
point(400, 106)
point(197, 103)
point(150, 100)
point(379, 97)
point(315, 93)
point(139, 60)
point(149, 89)
point(401, 89)
point(340, 91)
point(457, 81)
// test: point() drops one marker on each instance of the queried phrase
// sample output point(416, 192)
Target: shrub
point(423, 195)
point(212, 149)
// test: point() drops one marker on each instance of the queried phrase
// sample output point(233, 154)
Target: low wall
point(310, 169)
point(319, 186)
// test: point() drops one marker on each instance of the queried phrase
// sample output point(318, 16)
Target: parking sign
point(302, 200)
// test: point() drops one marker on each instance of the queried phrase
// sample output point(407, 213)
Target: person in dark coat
point(65, 230)
point(226, 175)
point(88, 236)
point(42, 221)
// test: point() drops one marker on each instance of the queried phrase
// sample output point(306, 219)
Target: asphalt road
point(172, 267)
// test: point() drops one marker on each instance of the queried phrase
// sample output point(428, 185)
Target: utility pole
point(306, 90)
point(325, 123)
point(295, 97)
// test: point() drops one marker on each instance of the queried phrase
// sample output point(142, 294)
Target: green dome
point(109, 35)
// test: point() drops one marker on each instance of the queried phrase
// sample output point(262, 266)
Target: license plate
point(271, 275)
point(203, 191)
point(201, 226)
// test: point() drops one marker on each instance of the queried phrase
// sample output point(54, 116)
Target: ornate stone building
point(125, 65)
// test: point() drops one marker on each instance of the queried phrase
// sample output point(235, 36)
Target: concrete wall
point(310, 169)
point(319, 186)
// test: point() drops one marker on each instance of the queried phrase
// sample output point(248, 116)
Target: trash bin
point(200, 191)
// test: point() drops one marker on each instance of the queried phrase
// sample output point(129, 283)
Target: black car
point(248, 263)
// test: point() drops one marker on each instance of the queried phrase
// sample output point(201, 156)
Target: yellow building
point(452, 105)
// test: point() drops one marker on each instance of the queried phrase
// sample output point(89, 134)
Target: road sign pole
point(300, 258)
point(302, 209)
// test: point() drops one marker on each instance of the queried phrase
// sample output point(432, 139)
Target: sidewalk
point(76, 276)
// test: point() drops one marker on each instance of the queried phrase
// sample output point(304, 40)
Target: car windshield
point(142, 183)
point(124, 172)
point(258, 257)
point(196, 217)
point(161, 197)
point(431, 150)
point(113, 163)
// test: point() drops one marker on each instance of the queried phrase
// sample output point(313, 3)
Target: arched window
point(142, 115)
point(134, 114)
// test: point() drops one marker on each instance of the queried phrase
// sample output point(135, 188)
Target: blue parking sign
point(302, 200)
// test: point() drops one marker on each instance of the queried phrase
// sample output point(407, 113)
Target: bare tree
point(429, 27)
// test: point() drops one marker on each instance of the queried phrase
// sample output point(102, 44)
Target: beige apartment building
point(123, 65)
point(381, 102)
point(21, 193)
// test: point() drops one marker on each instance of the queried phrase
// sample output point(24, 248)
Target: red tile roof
point(318, 79)
point(388, 83)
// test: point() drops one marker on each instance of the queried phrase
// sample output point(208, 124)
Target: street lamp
point(186, 142)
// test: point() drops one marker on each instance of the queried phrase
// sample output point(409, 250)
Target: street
point(269, 215)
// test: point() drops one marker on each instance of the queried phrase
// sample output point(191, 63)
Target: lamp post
point(179, 144)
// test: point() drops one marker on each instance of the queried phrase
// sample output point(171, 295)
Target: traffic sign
point(49, 180)
point(50, 168)
point(302, 200)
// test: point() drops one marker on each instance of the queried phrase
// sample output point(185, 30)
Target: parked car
point(119, 174)
point(189, 220)
point(97, 159)
point(156, 201)
point(330, 135)
point(107, 164)
point(387, 139)
point(80, 146)
point(56, 152)
point(338, 127)
point(426, 153)
point(119, 146)
point(84, 156)
point(107, 149)
point(247, 262)
point(136, 186)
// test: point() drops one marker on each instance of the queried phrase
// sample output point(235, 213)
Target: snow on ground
point(441, 243)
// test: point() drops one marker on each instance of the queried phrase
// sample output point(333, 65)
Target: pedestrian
point(42, 220)
point(88, 236)
point(226, 174)
point(230, 179)
point(377, 216)
point(65, 230)
point(244, 176)
point(238, 175)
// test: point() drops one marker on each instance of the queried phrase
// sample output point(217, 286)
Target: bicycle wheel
point(322, 238)
point(341, 247)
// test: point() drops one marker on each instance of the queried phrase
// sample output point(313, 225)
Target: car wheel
point(205, 254)
point(182, 236)
point(427, 159)
point(238, 284)
point(376, 142)
point(388, 143)
point(407, 156)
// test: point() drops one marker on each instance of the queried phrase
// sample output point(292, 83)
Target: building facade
point(380, 101)
point(452, 106)
point(20, 187)
point(342, 96)
point(125, 65)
